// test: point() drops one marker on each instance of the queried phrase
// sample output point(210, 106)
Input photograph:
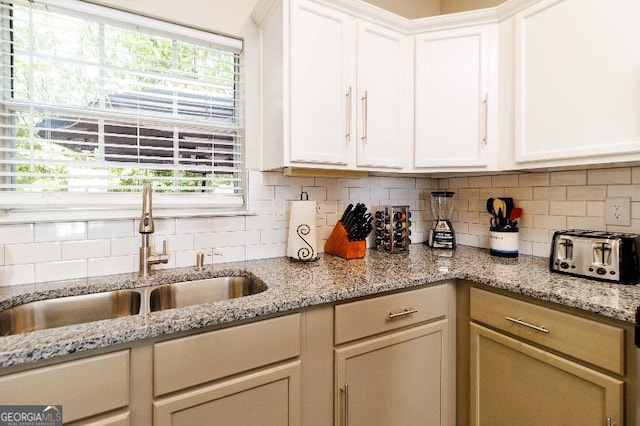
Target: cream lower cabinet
point(269, 397)
point(537, 366)
point(86, 388)
point(400, 375)
point(243, 375)
point(393, 380)
point(515, 383)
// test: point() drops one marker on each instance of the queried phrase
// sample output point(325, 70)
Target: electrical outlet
point(617, 211)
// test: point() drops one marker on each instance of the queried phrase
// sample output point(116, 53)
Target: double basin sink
point(85, 308)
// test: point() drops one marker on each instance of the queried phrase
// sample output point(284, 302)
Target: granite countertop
point(294, 285)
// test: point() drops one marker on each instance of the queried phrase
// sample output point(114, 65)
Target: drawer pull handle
point(526, 324)
point(406, 312)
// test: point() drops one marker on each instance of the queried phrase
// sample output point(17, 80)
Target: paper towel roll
point(302, 244)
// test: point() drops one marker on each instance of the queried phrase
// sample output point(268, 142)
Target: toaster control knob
point(601, 271)
point(564, 265)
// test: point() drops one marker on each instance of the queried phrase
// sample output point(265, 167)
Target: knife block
point(339, 245)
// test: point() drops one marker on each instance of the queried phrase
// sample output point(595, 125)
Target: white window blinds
point(97, 101)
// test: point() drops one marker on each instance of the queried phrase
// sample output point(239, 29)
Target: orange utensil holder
point(338, 244)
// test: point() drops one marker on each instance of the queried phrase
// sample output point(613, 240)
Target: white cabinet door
point(322, 84)
point(577, 80)
point(383, 103)
point(452, 95)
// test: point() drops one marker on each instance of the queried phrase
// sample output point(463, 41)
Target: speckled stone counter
point(293, 285)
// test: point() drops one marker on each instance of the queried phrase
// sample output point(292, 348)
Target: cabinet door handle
point(609, 422)
point(364, 118)
point(348, 124)
point(526, 324)
point(345, 390)
point(403, 313)
point(485, 102)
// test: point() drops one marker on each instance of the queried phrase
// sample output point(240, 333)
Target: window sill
point(82, 215)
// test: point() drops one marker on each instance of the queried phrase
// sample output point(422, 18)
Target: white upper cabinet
point(384, 101)
point(335, 90)
point(455, 98)
point(577, 82)
point(322, 84)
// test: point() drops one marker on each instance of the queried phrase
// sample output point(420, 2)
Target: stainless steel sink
point(69, 310)
point(210, 290)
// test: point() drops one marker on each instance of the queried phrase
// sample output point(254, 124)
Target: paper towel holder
point(307, 253)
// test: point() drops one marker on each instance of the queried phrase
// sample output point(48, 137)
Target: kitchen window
point(96, 101)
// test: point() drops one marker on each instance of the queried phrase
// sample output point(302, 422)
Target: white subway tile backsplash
point(609, 176)
point(16, 234)
point(243, 238)
point(264, 251)
point(568, 208)
point(65, 231)
point(396, 182)
point(73, 250)
point(228, 223)
point(337, 193)
point(111, 229)
point(112, 265)
point(571, 177)
point(288, 193)
point(64, 270)
point(480, 182)
point(211, 240)
point(270, 236)
point(125, 246)
point(549, 222)
point(551, 201)
point(265, 222)
point(175, 243)
point(587, 193)
point(534, 207)
point(18, 274)
point(533, 179)
point(505, 181)
point(595, 208)
point(555, 193)
point(630, 191)
point(359, 195)
point(261, 193)
point(316, 193)
point(260, 207)
point(191, 225)
point(596, 223)
point(16, 254)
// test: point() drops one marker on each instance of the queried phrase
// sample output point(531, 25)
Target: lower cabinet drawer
point(194, 360)
point(582, 338)
point(84, 387)
point(363, 318)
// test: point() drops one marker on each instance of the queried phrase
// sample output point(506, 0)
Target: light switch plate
point(617, 211)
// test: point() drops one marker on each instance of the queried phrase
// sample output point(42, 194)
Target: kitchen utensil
point(490, 207)
point(508, 206)
point(515, 214)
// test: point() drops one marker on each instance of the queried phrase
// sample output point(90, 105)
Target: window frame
point(28, 206)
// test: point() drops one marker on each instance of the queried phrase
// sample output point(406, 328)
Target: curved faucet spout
point(146, 221)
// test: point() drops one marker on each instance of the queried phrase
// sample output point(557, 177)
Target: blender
point(442, 234)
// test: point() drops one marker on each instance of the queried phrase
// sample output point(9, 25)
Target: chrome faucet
point(146, 228)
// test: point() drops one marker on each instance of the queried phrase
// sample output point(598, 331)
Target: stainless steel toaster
point(605, 256)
